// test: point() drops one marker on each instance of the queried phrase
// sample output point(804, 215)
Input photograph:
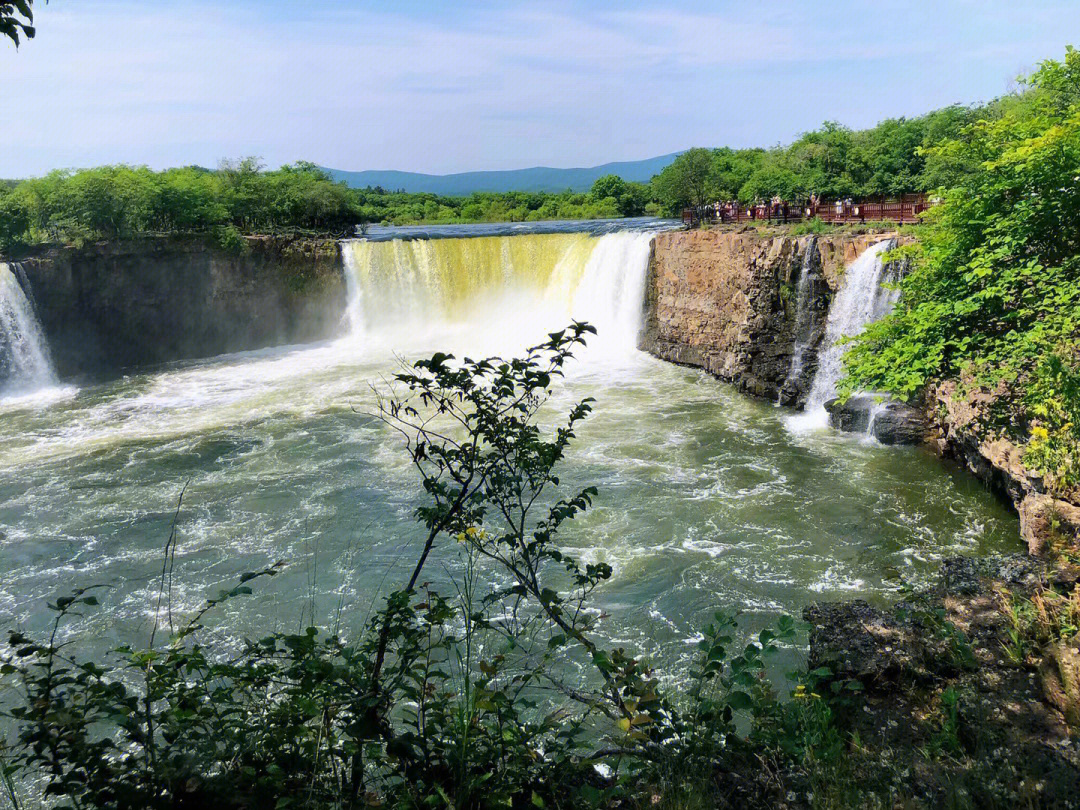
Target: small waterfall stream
point(863, 298)
point(25, 365)
point(803, 318)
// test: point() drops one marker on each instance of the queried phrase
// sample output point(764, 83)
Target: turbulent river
point(707, 499)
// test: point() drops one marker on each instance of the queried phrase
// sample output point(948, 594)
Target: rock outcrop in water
point(879, 416)
point(728, 301)
point(111, 306)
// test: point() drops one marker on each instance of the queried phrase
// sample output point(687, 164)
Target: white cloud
point(486, 86)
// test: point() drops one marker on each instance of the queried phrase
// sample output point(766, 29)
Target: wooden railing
point(905, 208)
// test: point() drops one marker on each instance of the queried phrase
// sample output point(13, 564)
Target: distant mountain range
point(540, 178)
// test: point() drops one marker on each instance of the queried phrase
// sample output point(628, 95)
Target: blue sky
point(443, 87)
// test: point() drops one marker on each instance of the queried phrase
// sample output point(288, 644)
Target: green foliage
point(14, 219)
point(17, 18)
point(946, 740)
point(993, 299)
point(630, 199)
point(401, 208)
point(815, 226)
point(112, 202)
point(230, 239)
point(689, 180)
point(895, 157)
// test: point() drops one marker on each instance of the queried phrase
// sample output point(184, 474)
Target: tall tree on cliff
point(689, 180)
point(17, 17)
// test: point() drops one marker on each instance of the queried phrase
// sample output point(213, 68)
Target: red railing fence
point(902, 209)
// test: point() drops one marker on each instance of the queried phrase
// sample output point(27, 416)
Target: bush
point(993, 299)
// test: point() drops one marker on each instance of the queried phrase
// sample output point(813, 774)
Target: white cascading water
point(802, 317)
point(25, 365)
point(496, 294)
point(863, 298)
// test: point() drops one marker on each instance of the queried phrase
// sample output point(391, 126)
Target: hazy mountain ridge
point(537, 178)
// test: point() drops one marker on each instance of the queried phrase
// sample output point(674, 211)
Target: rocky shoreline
point(968, 693)
point(964, 700)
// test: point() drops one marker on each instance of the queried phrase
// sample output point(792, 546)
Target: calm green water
point(707, 500)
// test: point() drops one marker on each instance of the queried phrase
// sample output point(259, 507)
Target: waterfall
point(862, 299)
point(803, 318)
point(496, 294)
point(24, 355)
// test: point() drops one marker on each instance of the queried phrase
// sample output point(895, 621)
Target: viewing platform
point(903, 209)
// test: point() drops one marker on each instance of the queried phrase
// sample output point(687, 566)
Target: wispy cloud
point(488, 85)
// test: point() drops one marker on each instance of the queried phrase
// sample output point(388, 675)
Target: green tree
point(690, 180)
point(610, 185)
point(14, 218)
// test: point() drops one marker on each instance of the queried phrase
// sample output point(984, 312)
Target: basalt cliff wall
point(726, 301)
point(111, 306)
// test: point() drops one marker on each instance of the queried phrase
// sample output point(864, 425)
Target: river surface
point(707, 499)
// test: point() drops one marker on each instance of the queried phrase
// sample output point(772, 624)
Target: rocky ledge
point(968, 694)
point(878, 415)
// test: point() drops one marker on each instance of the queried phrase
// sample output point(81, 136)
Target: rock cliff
point(110, 306)
point(727, 301)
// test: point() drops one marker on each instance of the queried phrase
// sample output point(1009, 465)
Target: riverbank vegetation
point(993, 297)
point(240, 197)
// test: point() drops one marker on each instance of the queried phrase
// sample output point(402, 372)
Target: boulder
point(887, 420)
point(1048, 524)
point(878, 648)
point(1060, 675)
point(966, 576)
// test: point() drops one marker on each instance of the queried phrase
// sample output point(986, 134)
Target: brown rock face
point(1048, 524)
point(726, 301)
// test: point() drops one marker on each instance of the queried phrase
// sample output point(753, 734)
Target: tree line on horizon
point(242, 197)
